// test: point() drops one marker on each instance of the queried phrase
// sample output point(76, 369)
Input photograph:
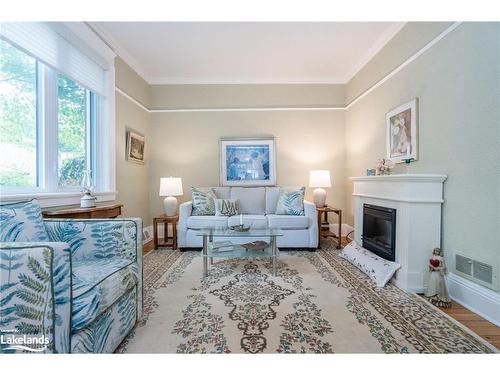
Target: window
point(57, 112)
point(18, 118)
point(46, 120)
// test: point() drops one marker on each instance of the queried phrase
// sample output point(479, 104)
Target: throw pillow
point(378, 269)
point(203, 202)
point(291, 202)
point(226, 207)
point(22, 222)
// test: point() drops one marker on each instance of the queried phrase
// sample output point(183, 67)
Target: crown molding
point(375, 48)
point(158, 80)
point(120, 51)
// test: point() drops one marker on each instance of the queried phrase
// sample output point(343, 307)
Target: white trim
point(58, 199)
point(346, 229)
point(399, 199)
point(402, 178)
point(139, 104)
point(375, 48)
point(404, 64)
point(250, 109)
point(478, 299)
point(119, 50)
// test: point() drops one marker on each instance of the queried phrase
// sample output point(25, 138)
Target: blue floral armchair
point(77, 283)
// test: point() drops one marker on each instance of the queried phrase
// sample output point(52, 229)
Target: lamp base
point(319, 197)
point(170, 206)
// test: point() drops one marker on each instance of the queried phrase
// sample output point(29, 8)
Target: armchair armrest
point(99, 238)
point(311, 213)
point(35, 292)
point(185, 210)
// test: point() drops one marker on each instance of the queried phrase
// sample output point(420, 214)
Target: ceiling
point(246, 52)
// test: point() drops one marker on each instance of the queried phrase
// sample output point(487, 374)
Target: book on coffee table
point(222, 246)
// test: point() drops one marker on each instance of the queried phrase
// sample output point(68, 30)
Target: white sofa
point(258, 206)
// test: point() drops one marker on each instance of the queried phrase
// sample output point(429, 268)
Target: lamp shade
point(319, 178)
point(170, 186)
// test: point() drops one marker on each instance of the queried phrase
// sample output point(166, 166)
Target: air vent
point(479, 272)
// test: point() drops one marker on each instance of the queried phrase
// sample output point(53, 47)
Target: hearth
point(379, 230)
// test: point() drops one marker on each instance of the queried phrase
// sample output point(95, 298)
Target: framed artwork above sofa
point(247, 161)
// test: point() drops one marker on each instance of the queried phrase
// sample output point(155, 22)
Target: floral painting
point(247, 162)
point(402, 126)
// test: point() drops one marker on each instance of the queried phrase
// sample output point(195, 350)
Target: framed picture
point(247, 161)
point(402, 132)
point(135, 147)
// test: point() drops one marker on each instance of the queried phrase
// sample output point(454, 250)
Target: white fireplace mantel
point(417, 199)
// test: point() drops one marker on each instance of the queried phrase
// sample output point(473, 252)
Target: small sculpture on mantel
point(436, 292)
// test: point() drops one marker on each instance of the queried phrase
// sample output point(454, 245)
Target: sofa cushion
point(291, 201)
point(22, 222)
point(272, 195)
point(204, 222)
point(97, 285)
point(252, 200)
point(254, 221)
point(222, 192)
point(288, 221)
point(226, 207)
point(203, 201)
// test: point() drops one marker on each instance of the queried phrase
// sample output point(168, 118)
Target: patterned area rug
point(318, 303)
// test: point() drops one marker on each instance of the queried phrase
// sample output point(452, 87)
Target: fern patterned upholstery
point(82, 288)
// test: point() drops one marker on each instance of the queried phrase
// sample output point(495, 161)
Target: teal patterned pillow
point(203, 202)
point(226, 207)
point(291, 202)
point(22, 222)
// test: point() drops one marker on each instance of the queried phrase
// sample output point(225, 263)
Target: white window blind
point(41, 41)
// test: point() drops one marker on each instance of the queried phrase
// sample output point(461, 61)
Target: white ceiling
point(226, 52)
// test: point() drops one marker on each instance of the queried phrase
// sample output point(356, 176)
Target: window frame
point(100, 129)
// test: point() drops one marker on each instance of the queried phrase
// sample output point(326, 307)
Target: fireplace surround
point(417, 201)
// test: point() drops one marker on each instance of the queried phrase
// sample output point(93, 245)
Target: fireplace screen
point(379, 231)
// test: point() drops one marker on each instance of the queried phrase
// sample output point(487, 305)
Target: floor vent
point(479, 272)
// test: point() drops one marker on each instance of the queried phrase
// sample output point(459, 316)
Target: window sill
point(57, 199)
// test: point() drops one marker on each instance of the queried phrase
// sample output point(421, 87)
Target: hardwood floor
point(474, 322)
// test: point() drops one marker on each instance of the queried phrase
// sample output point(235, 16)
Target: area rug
point(317, 303)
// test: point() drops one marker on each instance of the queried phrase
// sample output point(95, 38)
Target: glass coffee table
point(228, 243)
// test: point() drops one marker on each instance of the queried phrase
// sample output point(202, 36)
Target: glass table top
point(227, 232)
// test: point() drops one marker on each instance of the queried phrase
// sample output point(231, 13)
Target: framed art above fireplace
point(247, 161)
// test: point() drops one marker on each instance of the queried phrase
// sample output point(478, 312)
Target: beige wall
point(457, 83)
point(241, 96)
point(186, 145)
point(132, 179)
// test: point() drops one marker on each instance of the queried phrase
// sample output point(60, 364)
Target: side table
point(165, 220)
point(326, 232)
point(76, 212)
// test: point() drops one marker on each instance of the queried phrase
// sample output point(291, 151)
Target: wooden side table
point(76, 212)
point(165, 220)
point(326, 233)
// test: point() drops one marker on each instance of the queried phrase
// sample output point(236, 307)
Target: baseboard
point(478, 299)
point(346, 228)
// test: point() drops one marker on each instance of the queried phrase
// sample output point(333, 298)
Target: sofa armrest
point(185, 210)
point(311, 213)
point(35, 292)
point(99, 238)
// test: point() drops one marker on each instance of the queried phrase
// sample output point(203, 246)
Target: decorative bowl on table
point(240, 228)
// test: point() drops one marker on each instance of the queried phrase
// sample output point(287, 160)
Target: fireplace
point(379, 230)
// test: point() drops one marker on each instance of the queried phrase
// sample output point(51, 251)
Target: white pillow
point(378, 269)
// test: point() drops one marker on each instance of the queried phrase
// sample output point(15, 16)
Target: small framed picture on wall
point(402, 132)
point(135, 147)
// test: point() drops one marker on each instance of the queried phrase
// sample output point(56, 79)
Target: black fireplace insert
point(379, 231)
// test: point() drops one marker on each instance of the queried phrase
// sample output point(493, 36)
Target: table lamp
point(319, 179)
point(170, 187)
